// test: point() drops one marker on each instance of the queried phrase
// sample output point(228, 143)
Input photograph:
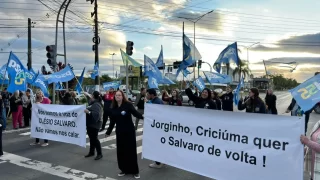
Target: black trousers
point(26, 116)
point(94, 141)
point(1, 152)
point(38, 140)
point(105, 120)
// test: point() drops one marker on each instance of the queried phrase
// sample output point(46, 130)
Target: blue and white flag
point(150, 69)
point(228, 55)
point(40, 82)
point(64, 75)
point(199, 83)
point(186, 72)
point(80, 80)
point(166, 80)
point(217, 78)
point(152, 82)
point(3, 72)
point(59, 86)
point(114, 85)
point(16, 72)
point(190, 54)
point(307, 94)
point(95, 71)
point(237, 91)
point(160, 62)
point(30, 75)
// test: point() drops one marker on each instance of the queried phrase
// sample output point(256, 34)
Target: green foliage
point(88, 81)
point(281, 83)
point(245, 70)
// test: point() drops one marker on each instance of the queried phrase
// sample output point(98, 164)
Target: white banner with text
point(59, 123)
point(224, 145)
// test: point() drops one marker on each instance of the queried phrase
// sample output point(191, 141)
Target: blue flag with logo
point(160, 62)
point(80, 80)
point(64, 75)
point(30, 75)
point(150, 69)
point(199, 83)
point(307, 94)
point(190, 54)
point(152, 82)
point(16, 72)
point(228, 55)
point(40, 82)
point(114, 85)
point(166, 80)
point(95, 71)
point(237, 91)
point(59, 86)
point(186, 72)
point(4, 75)
point(213, 77)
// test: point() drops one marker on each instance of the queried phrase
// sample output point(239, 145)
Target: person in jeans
point(139, 103)
point(93, 120)
point(154, 99)
point(40, 99)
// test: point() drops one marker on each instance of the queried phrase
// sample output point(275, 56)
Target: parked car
point(185, 98)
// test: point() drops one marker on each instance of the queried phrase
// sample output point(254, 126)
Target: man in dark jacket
point(139, 103)
point(227, 100)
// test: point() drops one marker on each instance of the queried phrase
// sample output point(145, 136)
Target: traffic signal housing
point(176, 64)
point(199, 63)
point(51, 55)
point(129, 48)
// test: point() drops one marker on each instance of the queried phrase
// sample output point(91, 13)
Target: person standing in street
point(16, 109)
point(107, 99)
point(271, 101)
point(26, 102)
point(93, 120)
point(252, 104)
point(122, 111)
point(154, 99)
point(40, 99)
point(139, 103)
point(227, 100)
point(6, 104)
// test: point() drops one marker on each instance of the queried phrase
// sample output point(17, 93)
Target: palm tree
point(243, 68)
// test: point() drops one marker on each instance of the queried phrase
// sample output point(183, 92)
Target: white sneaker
point(154, 165)
point(137, 176)
point(34, 143)
point(45, 144)
point(121, 174)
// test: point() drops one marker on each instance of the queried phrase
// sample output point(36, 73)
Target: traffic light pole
point(65, 6)
point(29, 45)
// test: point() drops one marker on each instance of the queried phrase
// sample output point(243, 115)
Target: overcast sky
point(285, 29)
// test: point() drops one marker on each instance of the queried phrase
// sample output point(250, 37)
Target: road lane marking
point(48, 168)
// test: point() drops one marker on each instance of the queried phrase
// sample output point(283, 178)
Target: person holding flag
point(174, 100)
point(253, 103)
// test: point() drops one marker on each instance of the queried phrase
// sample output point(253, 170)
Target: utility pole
point(182, 53)
point(96, 40)
point(29, 45)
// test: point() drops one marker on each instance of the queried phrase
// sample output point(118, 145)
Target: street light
point(248, 47)
point(112, 63)
point(195, 20)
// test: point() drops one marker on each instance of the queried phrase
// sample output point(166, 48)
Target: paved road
point(64, 161)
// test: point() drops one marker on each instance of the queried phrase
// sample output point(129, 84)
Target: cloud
point(147, 48)
point(307, 43)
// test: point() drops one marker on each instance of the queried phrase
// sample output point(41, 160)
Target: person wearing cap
point(227, 100)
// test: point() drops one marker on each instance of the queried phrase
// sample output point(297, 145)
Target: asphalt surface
point(64, 161)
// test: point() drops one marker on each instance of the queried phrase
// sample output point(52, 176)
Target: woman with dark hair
point(174, 100)
point(253, 103)
point(216, 100)
point(93, 121)
point(203, 101)
point(271, 101)
point(122, 112)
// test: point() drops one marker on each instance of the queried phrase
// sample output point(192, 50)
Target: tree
point(243, 68)
point(280, 82)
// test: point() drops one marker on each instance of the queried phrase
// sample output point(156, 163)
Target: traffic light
point(129, 48)
point(193, 65)
point(51, 55)
point(176, 64)
point(199, 63)
point(170, 69)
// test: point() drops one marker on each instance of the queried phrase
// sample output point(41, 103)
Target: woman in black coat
point(271, 101)
point(121, 114)
point(204, 101)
